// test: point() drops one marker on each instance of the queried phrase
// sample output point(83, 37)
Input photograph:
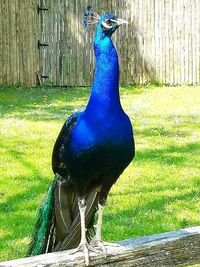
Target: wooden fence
point(179, 248)
point(161, 42)
point(19, 55)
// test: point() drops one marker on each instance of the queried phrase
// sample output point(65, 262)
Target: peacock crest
point(89, 17)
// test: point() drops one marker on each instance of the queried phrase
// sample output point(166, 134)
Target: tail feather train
point(44, 223)
point(58, 226)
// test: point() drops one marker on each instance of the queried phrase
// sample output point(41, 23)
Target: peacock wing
point(61, 140)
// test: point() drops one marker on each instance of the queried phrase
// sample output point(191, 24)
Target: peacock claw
point(102, 246)
point(85, 248)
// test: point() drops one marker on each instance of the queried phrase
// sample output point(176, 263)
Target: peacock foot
point(101, 245)
point(86, 249)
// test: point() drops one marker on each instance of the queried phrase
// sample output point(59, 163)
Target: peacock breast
point(102, 131)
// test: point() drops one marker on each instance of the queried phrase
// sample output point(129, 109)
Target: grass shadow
point(41, 104)
point(171, 155)
point(137, 220)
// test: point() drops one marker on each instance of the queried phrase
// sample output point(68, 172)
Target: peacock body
point(92, 150)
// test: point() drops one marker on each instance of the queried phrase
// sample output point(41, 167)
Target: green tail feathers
point(40, 237)
point(58, 225)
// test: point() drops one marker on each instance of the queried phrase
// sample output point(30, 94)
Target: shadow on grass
point(47, 103)
point(19, 214)
point(172, 126)
point(171, 155)
point(18, 211)
point(20, 156)
point(13, 203)
point(18, 217)
point(40, 104)
point(135, 220)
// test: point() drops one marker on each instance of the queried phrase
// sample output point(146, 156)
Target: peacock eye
point(109, 22)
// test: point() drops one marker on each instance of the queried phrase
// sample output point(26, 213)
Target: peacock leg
point(82, 208)
point(99, 223)
point(98, 238)
point(83, 246)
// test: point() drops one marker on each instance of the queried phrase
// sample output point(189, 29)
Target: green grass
point(159, 191)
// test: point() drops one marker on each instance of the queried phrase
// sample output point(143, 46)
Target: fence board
point(18, 54)
point(160, 43)
point(179, 248)
point(1, 40)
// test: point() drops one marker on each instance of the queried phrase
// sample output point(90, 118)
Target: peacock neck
point(105, 90)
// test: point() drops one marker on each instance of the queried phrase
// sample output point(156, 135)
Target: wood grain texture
point(179, 248)
point(160, 43)
point(18, 41)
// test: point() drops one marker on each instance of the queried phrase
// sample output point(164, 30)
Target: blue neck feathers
point(105, 89)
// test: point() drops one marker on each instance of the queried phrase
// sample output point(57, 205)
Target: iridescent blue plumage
point(93, 148)
point(103, 131)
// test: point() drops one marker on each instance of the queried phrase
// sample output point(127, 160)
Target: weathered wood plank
point(178, 248)
point(17, 40)
point(5, 34)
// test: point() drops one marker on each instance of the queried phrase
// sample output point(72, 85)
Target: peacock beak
point(121, 21)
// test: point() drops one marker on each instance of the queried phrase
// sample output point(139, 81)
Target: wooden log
point(178, 248)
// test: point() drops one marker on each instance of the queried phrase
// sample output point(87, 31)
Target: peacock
point(92, 150)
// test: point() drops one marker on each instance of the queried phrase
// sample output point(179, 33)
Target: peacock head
point(108, 23)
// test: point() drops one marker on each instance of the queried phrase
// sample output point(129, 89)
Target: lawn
point(158, 192)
